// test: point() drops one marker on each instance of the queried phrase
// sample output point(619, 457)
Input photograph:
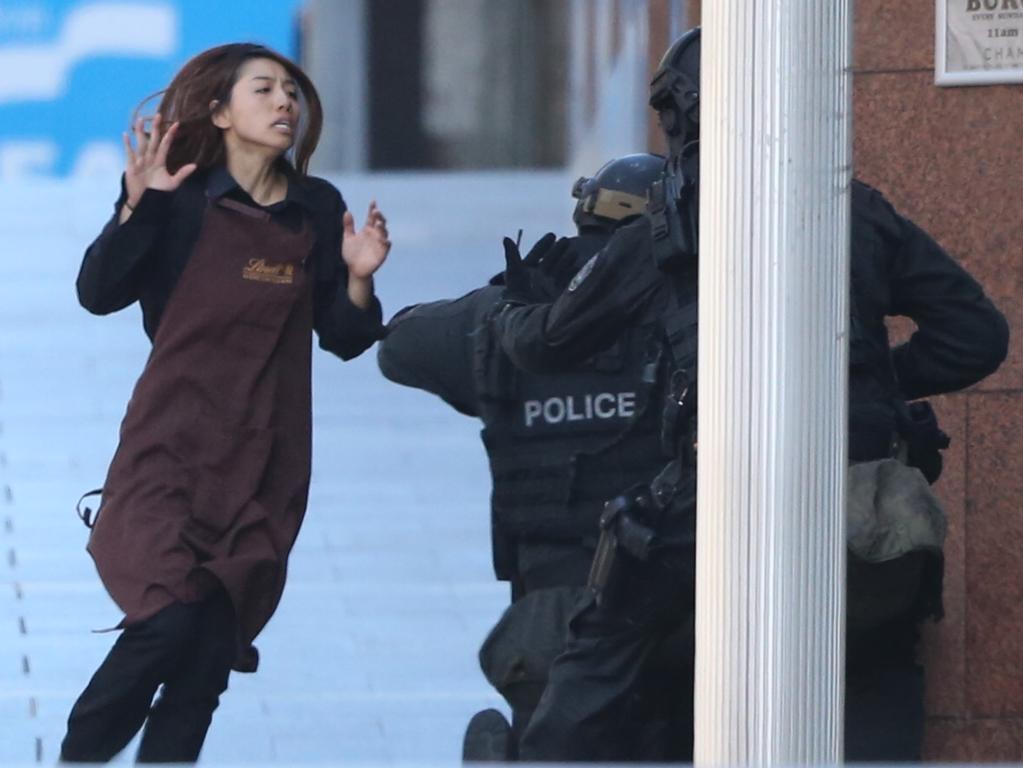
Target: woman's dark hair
point(209, 77)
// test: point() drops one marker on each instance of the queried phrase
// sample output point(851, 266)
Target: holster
point(644, 569)
point(627, 533)
point(917, 425)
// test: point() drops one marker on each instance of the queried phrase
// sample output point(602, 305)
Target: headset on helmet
point(617, 192)
point(675, 91)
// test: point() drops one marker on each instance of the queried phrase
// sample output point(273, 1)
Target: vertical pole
point(774, 266)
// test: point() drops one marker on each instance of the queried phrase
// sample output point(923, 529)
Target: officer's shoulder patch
point(583, 273)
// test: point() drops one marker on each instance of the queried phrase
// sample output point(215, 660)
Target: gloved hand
point(517, 283)
point(556, 268)
point(538, 252)
point(519, 273)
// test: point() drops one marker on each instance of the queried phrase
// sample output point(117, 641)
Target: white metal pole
point(774, 217)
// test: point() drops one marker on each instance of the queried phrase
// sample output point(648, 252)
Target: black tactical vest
point(560, 445)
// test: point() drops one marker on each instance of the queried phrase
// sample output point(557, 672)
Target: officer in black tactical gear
point(642, 580)
point(558, 445)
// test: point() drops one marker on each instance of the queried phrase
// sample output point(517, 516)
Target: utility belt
point(891, 513)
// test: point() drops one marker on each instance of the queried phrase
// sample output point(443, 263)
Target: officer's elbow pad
point(385, 361)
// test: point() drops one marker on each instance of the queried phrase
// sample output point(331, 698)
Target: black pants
point(608, 679)
point(188, 648)
point(884, 694)
point(617, 693)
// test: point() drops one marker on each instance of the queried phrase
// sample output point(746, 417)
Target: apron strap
point(86, 515)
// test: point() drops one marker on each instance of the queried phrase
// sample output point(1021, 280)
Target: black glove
point(538, 252)
point(556, 269)
point(518, 277)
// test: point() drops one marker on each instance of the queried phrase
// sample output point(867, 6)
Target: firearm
point(628, 526)
point(674, 211)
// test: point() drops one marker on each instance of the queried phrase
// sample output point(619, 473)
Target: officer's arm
point(610, 289)
point(961, 336)
point(431, 347)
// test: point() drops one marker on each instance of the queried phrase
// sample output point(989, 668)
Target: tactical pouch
point(895, 533)
point(674, 220)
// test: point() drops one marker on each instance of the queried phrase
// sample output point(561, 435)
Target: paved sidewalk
point(372, 654)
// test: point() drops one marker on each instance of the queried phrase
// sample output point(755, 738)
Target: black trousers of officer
point(598, 689)
point(627, 661)
point(186, 647)
point(884, 694)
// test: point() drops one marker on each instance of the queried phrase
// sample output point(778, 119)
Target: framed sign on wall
point(978, 42)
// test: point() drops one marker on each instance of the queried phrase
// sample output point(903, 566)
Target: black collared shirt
point(142, 259)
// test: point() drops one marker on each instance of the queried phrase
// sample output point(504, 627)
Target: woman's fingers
point(376, 225)
point(140, 138)
point(153, 145)
point(129, 153)
point(161, 152)
point(348, 223)
point(375, 218)
point(183, 173)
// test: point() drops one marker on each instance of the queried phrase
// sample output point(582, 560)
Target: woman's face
point(263, 111)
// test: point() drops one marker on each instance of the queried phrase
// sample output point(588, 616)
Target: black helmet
point(618, 191)
point(675, 91)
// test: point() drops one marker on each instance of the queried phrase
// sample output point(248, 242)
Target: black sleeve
point(961, 337)
point(343, 328)
point(111, 273)
point(609, 291)
point(433, 347)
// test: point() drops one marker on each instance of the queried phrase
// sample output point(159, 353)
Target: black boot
point(488, 738)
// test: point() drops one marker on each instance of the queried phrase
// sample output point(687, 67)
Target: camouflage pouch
point(892, 512)
point(895, 533)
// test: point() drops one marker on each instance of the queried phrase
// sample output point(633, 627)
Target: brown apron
point(211, 476)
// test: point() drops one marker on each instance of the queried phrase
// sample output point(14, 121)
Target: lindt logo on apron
point(268, 272)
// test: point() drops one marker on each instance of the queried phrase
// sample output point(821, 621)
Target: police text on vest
point(555, 410)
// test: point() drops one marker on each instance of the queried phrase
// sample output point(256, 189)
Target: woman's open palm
point(364, 251)
point(146, 162)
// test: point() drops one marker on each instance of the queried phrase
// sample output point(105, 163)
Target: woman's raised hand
point(146, 162)
point(364, 251)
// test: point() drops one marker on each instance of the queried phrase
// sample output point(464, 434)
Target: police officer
point(558, 445)
point(644, 571)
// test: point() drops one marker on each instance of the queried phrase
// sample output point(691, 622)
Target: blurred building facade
point(468, 84)
point(406, 84)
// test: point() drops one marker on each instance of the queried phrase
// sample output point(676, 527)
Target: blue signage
point(74, 70)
